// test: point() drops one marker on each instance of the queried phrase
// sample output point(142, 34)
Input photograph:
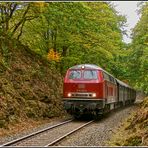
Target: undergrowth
point(134, 131)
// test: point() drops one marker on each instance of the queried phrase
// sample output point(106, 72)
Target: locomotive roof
point(87, 66)
point(122, 83)
point(90, 66)
point(93, 66)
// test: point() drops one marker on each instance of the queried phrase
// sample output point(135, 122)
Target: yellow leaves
point(53, 55)
point(87, 46)
point(40, 4)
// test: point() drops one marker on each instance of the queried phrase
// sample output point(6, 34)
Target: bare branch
point(12, 9)
point(21, 21)
point(21, 30)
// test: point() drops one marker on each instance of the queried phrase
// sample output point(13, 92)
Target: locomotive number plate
point(81, 85)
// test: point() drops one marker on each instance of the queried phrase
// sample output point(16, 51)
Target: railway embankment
point(134, 131)
point(30, 88)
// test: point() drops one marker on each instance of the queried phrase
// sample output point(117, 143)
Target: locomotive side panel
point(110, 88)
point(126, 93)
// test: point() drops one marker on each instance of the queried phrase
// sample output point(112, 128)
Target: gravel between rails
point(99, 132)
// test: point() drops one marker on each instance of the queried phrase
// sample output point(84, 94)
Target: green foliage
point(14, 15)
point(82, 32)
point(138, 57)
point(5, 54)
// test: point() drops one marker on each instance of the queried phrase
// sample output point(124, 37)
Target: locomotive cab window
point(90, 74)
point(106, 76)
point(75, 74)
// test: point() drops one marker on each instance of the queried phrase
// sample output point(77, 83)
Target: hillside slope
point(134, 132)
point(29, 86)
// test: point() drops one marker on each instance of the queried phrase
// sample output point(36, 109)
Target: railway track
point(67, 134)
point(49, 136)
point(35, 133)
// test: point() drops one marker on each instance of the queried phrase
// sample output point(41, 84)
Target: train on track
point(89, 89)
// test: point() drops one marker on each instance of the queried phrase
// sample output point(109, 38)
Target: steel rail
point(35, 133)
point(67, 134)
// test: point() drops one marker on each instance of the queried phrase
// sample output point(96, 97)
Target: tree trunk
point(64, 51)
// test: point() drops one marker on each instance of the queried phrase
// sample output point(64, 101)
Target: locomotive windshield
point(90, 74)
point(86, 74)
point(75, 74)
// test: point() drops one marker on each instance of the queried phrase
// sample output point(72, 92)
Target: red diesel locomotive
point(88, 89)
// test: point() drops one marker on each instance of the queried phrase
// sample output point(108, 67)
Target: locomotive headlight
point(94, 95)
point(69, 94)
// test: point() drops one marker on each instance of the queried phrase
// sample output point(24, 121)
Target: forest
point(39, 41)
point(69, 33)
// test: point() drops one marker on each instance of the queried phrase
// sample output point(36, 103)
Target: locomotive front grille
point(82, 95)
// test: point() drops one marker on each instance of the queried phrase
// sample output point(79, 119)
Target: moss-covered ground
point(134, 131)
point(30, 88)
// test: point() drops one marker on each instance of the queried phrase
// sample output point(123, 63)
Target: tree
point(13, 17)
point(81, 32)
point(139, 54)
